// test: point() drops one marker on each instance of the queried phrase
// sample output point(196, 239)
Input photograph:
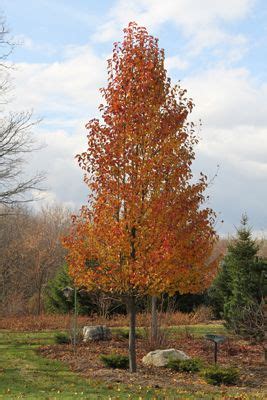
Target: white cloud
point(175, 62)
point(66, 94)
point(228, 97)
point(201, 22)
point(243, 148)
point(64, 182)
point(232, 104)
point(69, 86)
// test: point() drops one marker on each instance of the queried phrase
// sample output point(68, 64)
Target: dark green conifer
point(56, 302)
point(238, 290)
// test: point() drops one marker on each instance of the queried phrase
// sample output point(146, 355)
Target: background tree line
point(31, 252)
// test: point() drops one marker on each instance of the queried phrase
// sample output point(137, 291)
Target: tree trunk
point(154, 319)
point(39, 300)
point(132, 334)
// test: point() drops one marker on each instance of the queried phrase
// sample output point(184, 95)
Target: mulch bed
point(247, 357)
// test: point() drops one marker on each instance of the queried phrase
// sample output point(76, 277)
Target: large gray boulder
point(160, 358)
point(96, 332)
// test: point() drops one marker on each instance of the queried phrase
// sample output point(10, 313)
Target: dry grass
point(161, 341)
point(63, 322)
point(52, 322)
point(201, 315)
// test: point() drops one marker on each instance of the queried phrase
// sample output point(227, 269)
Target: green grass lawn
point(26, 375)
point(199, 329)
point(196, 330)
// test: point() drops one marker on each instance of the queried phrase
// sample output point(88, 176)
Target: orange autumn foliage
point(146, 228)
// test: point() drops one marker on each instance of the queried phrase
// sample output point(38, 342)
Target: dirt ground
point(247, 357)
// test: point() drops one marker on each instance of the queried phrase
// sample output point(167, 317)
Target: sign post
point(67, 291)
point(216, 339)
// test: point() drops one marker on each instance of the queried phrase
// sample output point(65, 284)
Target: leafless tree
point(16, 138)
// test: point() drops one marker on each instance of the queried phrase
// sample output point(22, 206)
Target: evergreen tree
point(56, 302)
point(239, 288)
point(220, 290)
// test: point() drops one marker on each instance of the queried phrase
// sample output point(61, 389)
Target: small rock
point(97, 332)
point(160, 358)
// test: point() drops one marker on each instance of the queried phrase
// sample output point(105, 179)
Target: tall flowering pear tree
point(146, 229)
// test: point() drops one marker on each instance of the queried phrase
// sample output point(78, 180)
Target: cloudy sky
point(216, 48)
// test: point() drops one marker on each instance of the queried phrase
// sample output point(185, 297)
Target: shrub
point(191, 365)
point(79, 335)
point(115, 361)
point(201, 314)
point(62, 338)
point(221, 375)
point(161, 341)
point(124, 333)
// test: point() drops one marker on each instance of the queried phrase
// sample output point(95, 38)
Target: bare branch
point(16, 139)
